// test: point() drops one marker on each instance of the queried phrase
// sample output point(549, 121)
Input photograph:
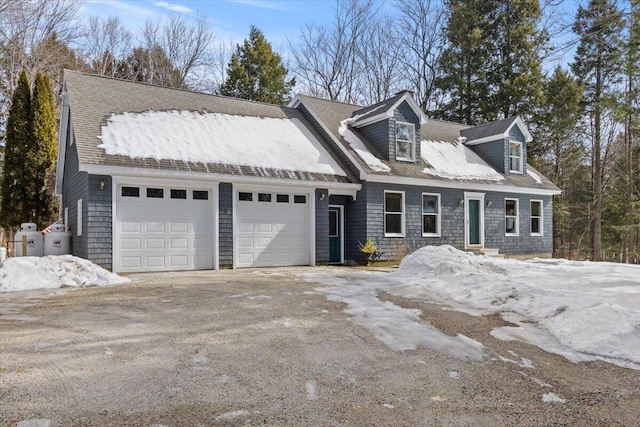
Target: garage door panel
point(163, 234)
point(272, 233)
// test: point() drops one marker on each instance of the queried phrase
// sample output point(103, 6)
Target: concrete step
point(490, 252)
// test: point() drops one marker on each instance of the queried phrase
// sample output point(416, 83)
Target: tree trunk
point(597, 173)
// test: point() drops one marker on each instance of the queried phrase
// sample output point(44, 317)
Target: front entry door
point(474, 220)
point(335, 235)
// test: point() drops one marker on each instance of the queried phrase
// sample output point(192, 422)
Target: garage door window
point(200, 195)
point(245, 197)
point(130, 192)
point(264, 197)
point(299, 199)
point(178, 194)
point(282, 198)
point(155, 193)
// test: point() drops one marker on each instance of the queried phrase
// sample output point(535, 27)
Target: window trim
point(521, 156)
point(79, 218)
point(401, 213)
point(516, 216)
point(412, 143)
point(540, 217)
point(438, 216)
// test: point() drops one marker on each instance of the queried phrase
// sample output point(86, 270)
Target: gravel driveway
point(260, 347)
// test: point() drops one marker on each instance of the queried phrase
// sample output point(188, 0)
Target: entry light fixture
point(461, 202)
point(101, 185)
point(322, 196)
point(489, 203)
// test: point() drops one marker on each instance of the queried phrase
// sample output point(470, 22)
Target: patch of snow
point(397, 327)
point(540, 382)
point(387, 405)
point(108, 351)
point(27, 273)
point(190, 136)
point(552, 398)
point(361, 150)
point(310, 388)
point(581, 310)
point(523, 363)
point(35, 422)
point(454, 375)
point(535, 176)
point(454, 160)
point(233, 414)
point(286, 323)
point(439, 398)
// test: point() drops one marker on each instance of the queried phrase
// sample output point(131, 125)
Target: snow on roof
point(454, 160)
point(190, 136)
point(358, 146)
point(51, 272)
point(535, 176)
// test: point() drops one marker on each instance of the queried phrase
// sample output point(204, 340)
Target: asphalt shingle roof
point(489, 129)
point(93, 99)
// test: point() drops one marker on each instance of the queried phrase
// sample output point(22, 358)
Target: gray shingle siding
point(322, 226)
point(99, 215)
point(225, 224)
point(380, 135)
point(75, 187)
point(494, 153)
point(452, 222)
point(405, 113)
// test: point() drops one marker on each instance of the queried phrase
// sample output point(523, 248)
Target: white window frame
point(540, 217)
point(79, 218)
point(516, 217)
point(401, 213)
point(520, 157)
point(438, 216)
point(411, 143)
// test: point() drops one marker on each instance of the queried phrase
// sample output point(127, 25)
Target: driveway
point(262, 347)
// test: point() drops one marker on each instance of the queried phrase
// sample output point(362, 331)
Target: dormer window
point(405, 141)
point(515, 157)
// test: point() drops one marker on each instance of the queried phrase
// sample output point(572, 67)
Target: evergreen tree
point(464, 62)
point(491, 64)
point(18, 165)
point(597, 65)
point(43, 156)
point(256, 72)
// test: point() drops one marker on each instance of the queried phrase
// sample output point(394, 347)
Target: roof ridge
point(331, 100)
point(249, 101)
point(450, 122)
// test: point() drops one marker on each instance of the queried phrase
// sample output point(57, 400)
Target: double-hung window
point(405, 141)
point(515, 156)
point(511, 217)
point(536, 218)
point(430, 215)
point(394, 214)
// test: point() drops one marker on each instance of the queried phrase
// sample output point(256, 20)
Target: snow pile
point(581, 310)
point(535, 176)
point(454, 160)
point(190, 136)
point(361, 150)
point(27, 273)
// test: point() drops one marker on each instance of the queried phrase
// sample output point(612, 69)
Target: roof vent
point(410, 92)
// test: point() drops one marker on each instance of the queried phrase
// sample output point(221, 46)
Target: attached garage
point(164, 227)
point(272, 228)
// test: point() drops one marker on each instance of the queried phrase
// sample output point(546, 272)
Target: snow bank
point(455, 161)
point(535, 176)
point(191, 136)
point(27, 273)
point(581, 310)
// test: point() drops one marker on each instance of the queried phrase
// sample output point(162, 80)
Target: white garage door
point(163, 228)
point(272, 229)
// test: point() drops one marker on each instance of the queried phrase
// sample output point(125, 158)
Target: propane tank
point(57, 241)
point(32, 237)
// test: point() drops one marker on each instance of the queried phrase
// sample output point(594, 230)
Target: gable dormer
point(503, 144)
point(392, 127)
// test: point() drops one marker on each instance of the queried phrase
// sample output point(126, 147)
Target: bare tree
point(183, 42)
point(106, 43)
point(327, 62)
point(420, 31)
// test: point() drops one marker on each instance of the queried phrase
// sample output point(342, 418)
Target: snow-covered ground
point(581, 310)
point(50, 272)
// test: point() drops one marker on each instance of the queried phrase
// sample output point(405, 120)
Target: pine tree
point(596, 65)
point(43, 127)
point(256, 72)
point(16, 188)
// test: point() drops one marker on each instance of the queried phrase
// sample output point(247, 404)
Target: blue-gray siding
point(379, 135)
point(225, 224)
point(322, 226)
point(493, 152)
point(364, 219)
point(98, 232)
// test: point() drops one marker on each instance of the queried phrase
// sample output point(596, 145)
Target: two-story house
point(158, 179)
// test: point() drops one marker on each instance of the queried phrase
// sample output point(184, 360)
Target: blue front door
point(335, 235)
